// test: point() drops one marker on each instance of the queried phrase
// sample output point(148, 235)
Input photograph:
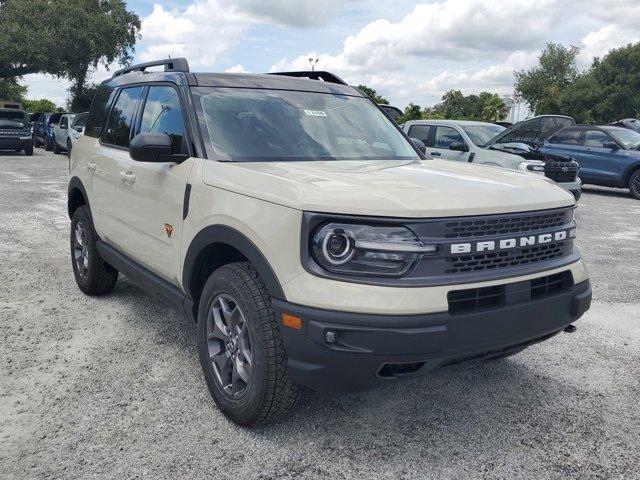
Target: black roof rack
point(313, 75)
point(170, 65)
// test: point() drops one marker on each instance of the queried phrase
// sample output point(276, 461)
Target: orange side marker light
point(291, 321)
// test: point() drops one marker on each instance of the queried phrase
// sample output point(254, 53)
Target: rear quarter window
point(98, 112)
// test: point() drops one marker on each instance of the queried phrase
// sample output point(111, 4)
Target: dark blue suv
point(608, 156)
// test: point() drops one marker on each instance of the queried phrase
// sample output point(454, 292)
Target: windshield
point(481, 134)
point(8, 117)
point(80, 120)
point(257, 124)
point(628, 138)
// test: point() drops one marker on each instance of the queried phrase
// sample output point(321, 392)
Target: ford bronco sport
point(308, 237)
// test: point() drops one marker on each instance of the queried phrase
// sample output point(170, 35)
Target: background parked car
point(525, 139)
point(60, 132)
point(466, 141)
point(630, 123)
point(44, 129)
point(76, 130)
point(15, 131)
point(608, 156)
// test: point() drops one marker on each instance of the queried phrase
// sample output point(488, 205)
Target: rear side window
point(121, 117)
point(97, 113)
point(566, 137)
point(421, 132)
point(445, 136)
point(163, 114)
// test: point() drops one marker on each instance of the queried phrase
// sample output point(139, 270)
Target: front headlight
point(532, 166)
point(387, 251)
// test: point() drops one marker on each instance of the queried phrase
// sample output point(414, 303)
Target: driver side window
point(596, 138)
point(163, 114)
point(445, 136)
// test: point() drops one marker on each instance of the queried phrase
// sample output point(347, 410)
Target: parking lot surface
point(112, 387)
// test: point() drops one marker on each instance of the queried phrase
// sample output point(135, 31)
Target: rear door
point(443, 137)
point(151, 195)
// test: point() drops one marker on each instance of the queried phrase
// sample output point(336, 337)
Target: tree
point(65, 37)
point(39, 106)
point(493, 108)
point(81, 101)
point(11, 90)
point(542, 85)
point(374, 95)
point(411, 112)
point(609, 90)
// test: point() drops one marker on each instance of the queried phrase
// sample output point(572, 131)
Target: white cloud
point(201, 32)
point(599, 42)
point(291, 13)
point(452, 30)
point(237, 69)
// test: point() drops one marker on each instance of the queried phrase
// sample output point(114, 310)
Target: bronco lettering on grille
point(508, 243)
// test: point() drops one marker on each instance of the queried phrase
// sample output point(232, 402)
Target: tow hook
point(570, 328)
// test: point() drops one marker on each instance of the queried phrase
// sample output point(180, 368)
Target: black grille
point(477, 299)
point(511, 258)
point(561, 171)
point(505, 225)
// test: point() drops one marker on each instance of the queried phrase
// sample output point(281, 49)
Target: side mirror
point(458, 147)
point(611, 145)
point(154, 147)
point(77, 129)
point(421, 146)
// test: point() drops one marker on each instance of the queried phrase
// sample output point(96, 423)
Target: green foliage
point(411, 112)
point(39, 106)
point(485, 106)
point(65, 37)
point(542, 85)
point(374, 95)
point(609, 90)
point(11, 91)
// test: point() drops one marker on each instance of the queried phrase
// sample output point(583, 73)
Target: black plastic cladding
point(451, 269)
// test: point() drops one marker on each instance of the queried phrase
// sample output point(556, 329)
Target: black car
point(15, 131)
point(526, 139)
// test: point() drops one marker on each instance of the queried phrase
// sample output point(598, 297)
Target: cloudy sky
point(409, 51)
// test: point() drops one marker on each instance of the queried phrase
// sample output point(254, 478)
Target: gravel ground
point(112, 387)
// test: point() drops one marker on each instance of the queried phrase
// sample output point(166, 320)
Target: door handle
point(127, 177)
point(91, 166)
point(436, 154)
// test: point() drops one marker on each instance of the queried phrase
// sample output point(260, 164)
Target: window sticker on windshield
point(315, 113)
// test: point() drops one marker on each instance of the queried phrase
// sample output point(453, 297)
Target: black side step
point(168, 293)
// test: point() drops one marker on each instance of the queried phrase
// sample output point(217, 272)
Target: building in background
point(516, 111)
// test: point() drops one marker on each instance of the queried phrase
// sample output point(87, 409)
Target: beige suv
point(309, 238)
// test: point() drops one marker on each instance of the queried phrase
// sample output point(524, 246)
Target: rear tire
point(56, 148)
point(68, 148)
point(241, 351)
point(93, 275)
point(47, 145)
point(634, 184)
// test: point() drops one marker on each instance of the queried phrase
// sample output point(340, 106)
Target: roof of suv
point(275, 81)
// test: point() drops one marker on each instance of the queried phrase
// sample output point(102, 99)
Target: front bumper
point(573, 187)
point(14, 143)
point(371, 350)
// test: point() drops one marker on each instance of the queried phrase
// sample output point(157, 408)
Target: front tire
point(56, 148)
point(47, 145)
point(93, 275)
point(634, 184)
point(241, 351)
point(68, 148)
point(29, 150)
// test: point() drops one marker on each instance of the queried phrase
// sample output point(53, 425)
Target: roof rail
point(170, 65)
point(313, 75)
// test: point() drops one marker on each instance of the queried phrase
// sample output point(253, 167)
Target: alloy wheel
point(229, 346)
point(80, 251)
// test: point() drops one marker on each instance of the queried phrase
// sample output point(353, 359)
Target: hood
point(532, 132)
point(12, 124)
point(410, 189)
